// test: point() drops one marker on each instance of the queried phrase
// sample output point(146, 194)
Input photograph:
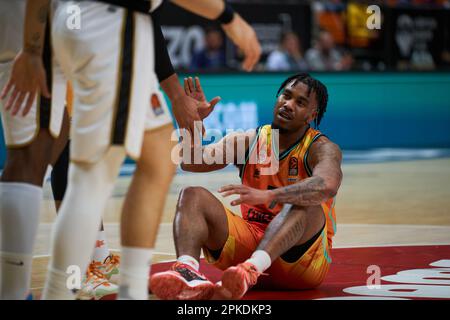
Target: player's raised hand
point(244, 37)
point(194, 90)
point(28, 78)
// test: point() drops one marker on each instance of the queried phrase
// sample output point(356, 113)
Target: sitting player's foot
point(96, 286)
point(110, 268)
point(182, 282)
point(237, 280)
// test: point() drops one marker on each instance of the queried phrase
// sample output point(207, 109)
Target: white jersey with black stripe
point(143, 6)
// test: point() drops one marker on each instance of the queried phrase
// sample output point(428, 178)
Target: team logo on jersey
point(156, 105)
point(262, 156)
point(256, 173)
point(293, 166)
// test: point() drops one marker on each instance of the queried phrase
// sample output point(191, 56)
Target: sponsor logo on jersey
point(156, 105)
point(293, 166)
point(257, 216)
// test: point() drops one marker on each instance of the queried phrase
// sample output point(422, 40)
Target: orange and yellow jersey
point(265, 168)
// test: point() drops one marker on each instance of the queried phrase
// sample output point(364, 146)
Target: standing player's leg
point(142, 211)
point(200, 221)
point(59, 175)
point(60, 171)
point(99, 129)
point(104, 265)
point(30, 144)
point(89, 187)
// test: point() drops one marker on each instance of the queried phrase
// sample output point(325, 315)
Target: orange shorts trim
point(243, 238)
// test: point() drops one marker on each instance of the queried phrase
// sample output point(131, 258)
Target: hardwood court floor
point(381, 204)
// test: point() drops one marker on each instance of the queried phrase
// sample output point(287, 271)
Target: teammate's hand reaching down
point(27, 79)
point(244, 37)
point(237, 29)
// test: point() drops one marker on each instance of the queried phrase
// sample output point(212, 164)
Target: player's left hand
point(195, 91)
point(27, 79)
point(246, 194)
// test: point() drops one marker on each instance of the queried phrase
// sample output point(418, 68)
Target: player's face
point(294, 108)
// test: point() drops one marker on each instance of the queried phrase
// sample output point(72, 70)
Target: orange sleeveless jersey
point(292, 168)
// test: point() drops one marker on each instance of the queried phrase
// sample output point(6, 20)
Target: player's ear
point(314, 114)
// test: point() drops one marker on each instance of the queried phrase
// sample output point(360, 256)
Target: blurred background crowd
point(308, 35)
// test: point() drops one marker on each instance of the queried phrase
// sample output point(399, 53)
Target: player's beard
point(280, 129)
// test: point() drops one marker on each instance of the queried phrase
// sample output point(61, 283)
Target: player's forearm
point(35, 21)
point(209, 9)
point(172, 87)
point(310, 192)
point(202, 167)
point(201, 159)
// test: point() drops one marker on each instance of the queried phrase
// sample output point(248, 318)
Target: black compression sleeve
point(163, 65)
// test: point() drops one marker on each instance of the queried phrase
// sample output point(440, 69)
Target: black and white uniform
point(20, 131)
point(110, 62)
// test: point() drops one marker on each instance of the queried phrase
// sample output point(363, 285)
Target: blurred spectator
point(421, 58)
point(289, 56)
point(330, 16)
point(212, 56)
point(324, 56)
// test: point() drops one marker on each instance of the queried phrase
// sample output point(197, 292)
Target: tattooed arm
point(28, 73)
point(35, 21)
point(229, 150)
point(325, 160)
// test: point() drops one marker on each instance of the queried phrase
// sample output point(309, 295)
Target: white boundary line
point(392, 245)
point(337, 247)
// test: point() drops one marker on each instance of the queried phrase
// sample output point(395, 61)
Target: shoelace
point(94, 271)
point(112, 259)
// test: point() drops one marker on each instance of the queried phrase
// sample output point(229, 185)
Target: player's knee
point(99, 176)
point(192, 196)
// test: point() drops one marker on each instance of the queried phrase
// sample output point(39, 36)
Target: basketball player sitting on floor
point(290, 177)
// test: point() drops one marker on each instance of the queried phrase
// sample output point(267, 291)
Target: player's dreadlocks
point(313, 84)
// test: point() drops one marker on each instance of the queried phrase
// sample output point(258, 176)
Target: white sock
point(191, 261)
point(101, 250)
point(57, 285)
point(19, 219)
point(261, 260)
point(16, 275)
point(134, 273)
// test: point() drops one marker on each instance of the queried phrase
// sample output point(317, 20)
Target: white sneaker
point(96, 286)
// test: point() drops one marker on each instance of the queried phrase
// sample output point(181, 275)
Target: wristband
point(227, 15)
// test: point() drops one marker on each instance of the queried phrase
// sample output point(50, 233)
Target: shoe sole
point(170, 287)
point(233, 282)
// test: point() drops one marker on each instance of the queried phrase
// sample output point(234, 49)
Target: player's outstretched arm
point(28, 75)
point(236, 28)
point(218, 155)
